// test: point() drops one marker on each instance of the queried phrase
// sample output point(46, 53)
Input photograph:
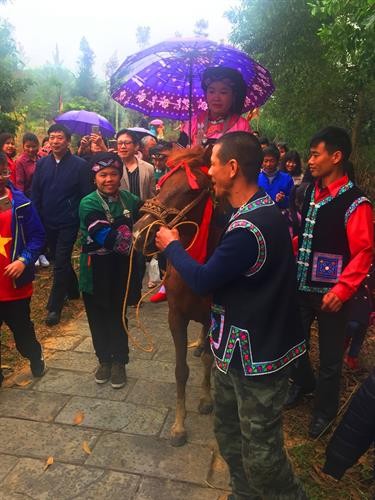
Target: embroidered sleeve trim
point(354, 205)
point(262, 249)
point(250, 367)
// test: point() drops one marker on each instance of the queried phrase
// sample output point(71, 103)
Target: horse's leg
point(200, 343)
point(206, 403)
point(178, 326)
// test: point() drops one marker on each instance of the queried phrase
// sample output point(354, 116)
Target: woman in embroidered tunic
point(106, 220)
point(225, 92)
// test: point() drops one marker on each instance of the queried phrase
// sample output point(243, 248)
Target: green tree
point(12, 80)
point(201, 27)
point(143, 36)
point(282, 35)
point(348, 36)
point(52, 86)
point(86, 81)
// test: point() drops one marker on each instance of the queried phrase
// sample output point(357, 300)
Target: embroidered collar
point(257, 201)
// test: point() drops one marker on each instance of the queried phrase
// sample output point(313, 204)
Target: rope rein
point(161, 212)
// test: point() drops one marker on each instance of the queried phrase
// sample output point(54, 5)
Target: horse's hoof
point(198, 351)
point(205, 408)
point(178, 439)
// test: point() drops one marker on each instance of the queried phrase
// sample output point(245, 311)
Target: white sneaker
point(37, 263)
point(43, 261)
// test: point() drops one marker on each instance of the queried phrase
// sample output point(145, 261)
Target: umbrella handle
point(190, 100)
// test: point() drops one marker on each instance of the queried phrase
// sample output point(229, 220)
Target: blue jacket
point(27, 233)
point(281, 182)
point(57, 189)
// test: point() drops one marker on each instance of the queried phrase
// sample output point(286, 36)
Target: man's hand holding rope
point(165, 236)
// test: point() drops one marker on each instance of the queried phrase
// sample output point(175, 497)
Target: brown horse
point(177, 202)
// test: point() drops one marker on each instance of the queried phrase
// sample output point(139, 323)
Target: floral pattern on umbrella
point(156, 81)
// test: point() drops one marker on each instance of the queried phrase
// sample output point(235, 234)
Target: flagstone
point(41, 440)
point(152, 488)
point(114, 415)
point(151, 456)
point(30, 405)
point(80, 384)
point(65, 481)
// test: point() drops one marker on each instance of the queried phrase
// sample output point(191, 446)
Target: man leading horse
point(255, 330)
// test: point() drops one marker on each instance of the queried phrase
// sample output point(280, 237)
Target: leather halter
point(155, 208)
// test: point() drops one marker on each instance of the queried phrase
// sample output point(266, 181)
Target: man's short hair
point(134, 136)
point(264, 140)
point(245, 149)
point(335, 139)
point(56, 127)
point(29, 137)
point(271, 151)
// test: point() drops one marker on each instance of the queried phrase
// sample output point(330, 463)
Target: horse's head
point(180, 198)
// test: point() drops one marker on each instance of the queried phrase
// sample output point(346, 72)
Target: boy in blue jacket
point(21, 240)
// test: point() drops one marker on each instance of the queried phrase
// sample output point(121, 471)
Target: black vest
point(323, 244)
point(255, 324)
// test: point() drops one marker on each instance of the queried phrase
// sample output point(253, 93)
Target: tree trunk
point(357, 125)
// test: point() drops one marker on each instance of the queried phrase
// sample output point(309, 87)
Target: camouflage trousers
point(248, 428)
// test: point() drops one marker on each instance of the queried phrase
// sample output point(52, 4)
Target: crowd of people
point(298, 247)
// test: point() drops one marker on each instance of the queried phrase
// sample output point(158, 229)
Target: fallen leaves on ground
point(23, 383)
point(49, 462)
point(86, 447)
point(79, 417)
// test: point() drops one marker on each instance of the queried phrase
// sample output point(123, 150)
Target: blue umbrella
point(165, 80)
point(81, 122)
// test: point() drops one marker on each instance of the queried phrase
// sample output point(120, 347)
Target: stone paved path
point(126, 430)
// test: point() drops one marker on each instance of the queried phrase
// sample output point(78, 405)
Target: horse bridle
point(158, 210)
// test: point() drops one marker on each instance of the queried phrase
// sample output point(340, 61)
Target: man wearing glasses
point(138, 178)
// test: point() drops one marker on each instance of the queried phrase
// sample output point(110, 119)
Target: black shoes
point(118, 375)
point(319, 426)
point(38, 367)
point(53, 318)
point(295, 395)
point(103, 373)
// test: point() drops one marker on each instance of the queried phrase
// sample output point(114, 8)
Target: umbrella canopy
point(165, 80)
point(80, 122)
point(156, 122)
point(141, 132)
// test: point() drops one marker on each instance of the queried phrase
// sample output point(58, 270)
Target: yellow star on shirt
point(3, 242)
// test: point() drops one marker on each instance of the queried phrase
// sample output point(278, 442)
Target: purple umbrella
point(165, 80)
point(81, 122)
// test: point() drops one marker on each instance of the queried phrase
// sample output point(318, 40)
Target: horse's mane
point(194, 157)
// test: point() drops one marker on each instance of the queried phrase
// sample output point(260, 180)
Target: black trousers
point(60, 243)
point(16, 315)
point(332, 330)
point(108, 334)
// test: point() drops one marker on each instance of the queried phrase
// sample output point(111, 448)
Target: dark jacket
point(28, 234)
point(356, 431)
point(57, 189)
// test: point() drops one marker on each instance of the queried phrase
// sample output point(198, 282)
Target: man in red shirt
point(21, 238)
point(334, 256)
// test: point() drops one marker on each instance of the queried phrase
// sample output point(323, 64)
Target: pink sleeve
point(241, 125)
